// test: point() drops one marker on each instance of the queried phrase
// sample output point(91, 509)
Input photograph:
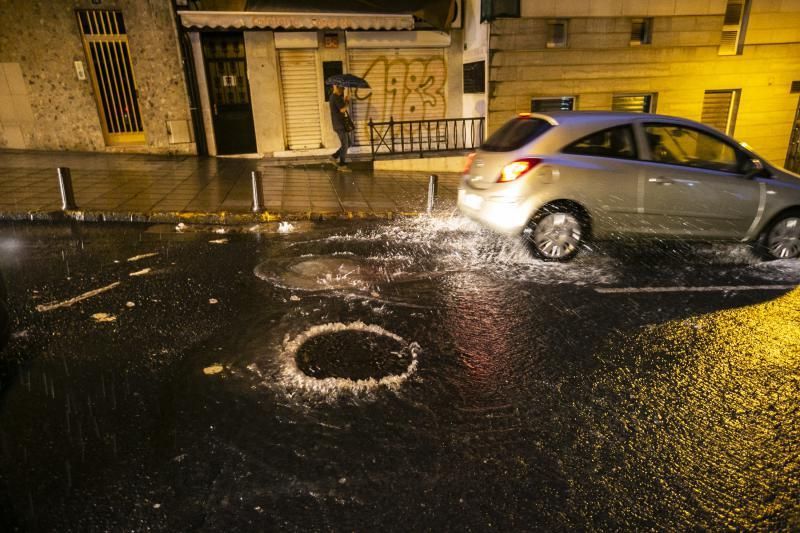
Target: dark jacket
point(337, 117)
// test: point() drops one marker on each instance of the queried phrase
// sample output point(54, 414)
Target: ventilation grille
point(729, 44)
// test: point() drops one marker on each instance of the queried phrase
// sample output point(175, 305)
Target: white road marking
point(66, 303)
point(713, 288)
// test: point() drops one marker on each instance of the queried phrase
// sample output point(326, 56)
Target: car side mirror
point(754, 169)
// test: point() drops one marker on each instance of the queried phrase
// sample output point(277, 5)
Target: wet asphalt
point(410, 375)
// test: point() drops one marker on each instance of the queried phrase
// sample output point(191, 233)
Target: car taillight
point(516, 169)
point(468, 162)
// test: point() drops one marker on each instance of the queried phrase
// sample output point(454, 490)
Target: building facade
point(261, 74)
point(732, 64)
point(247, 76)
point(92, 75)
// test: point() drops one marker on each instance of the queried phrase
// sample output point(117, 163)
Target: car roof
point(578, 123)
point(569, 118)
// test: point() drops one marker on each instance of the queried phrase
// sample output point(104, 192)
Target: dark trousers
point(344, 140)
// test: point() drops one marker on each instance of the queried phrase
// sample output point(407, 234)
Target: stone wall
point(43, 104)
point(682, 62)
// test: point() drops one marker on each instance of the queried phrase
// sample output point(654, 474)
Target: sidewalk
point(205, 189)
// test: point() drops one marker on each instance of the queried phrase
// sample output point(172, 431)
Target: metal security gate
point(229, 92)
point(105, 42)
point(406, 84)
point(301, 91)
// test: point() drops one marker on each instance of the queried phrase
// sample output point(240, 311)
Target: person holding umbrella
point(340, 120)
point(338, 103)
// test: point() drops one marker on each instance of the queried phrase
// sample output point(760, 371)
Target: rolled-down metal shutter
point(406, 84)
point(301, 87)
point(718, 110)
point(633, 103)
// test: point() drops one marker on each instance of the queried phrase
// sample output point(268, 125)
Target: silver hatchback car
point(560, 178)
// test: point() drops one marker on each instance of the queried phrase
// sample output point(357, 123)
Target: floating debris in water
point(142, 256)
point(104, 317)
point(213, 369)
point(219, 241)
point(213, 301)
point(285, 227)
point(67, 303)
point(130, 304)
point(181, 226)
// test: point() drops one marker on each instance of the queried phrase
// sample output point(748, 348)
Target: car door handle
point(661, 180)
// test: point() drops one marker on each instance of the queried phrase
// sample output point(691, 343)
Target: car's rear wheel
point(555, 233)
point(781, 239)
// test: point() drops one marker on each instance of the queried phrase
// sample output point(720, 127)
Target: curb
point(219, 218)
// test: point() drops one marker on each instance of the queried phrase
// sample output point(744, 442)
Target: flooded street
point(409, 375)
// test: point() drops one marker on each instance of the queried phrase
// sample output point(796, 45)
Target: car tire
point(555, 233)
point(781, 238)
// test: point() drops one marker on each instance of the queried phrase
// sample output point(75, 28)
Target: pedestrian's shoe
point(343, 168)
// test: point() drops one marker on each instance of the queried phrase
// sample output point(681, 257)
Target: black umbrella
point(347, 80)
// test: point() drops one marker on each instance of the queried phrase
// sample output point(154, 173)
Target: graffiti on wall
point(402, 88)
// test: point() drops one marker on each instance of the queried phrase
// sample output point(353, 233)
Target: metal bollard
point(258, 195)
point(433, 190)
point(67, 194)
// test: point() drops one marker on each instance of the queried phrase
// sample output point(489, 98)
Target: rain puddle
point(403, 266)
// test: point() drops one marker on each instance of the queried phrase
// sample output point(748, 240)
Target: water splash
point(456, 244)
point(330, 388)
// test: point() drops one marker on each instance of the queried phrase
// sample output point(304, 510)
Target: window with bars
point(733, 27)
point(105, 42)
point(561, 103)
point(636, 103)
point(227, 70)
point(719, 109)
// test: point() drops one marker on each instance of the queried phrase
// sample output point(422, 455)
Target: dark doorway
point(793, 156)
point(229, 93)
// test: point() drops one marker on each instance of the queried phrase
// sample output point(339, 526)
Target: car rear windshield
point(514, 134)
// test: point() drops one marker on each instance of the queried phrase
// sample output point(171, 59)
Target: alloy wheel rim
point(557, 235)
point(783, 240)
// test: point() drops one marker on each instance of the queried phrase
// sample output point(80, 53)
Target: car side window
point(613, 142)
point(681, 145)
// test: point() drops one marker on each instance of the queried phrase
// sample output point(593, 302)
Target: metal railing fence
point(420, 137)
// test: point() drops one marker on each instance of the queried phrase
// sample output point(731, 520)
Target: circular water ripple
point(319, 273)
point(354, 342)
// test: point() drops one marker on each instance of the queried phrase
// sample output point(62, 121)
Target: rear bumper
point(504, 214)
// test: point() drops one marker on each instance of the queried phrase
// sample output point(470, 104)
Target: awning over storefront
point(249, 20)
point(433, 13)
